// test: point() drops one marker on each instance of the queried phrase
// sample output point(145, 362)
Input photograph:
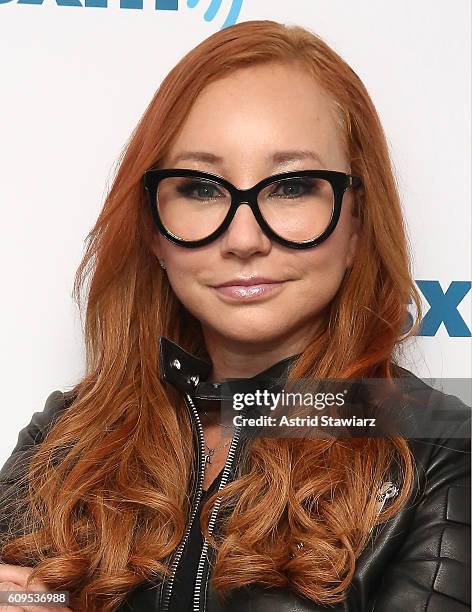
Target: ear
point(152, 239)
point(155, 245)
point(353, 241)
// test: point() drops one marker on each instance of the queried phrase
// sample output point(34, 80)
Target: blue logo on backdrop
point(443, 308)
point(160, 5)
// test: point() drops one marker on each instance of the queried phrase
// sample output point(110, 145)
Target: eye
point(199, 190)
point(293, 188)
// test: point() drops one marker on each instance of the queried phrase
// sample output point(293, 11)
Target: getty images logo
point(160, 5)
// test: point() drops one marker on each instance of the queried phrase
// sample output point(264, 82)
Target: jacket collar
point(189, 373)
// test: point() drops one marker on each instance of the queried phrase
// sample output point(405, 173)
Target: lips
point(248, 281)
point(249, 288)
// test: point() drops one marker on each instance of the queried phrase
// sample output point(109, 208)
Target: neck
point(238, 359)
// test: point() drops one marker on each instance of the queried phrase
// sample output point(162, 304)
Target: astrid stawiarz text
point(311, 421)
point(319, 401)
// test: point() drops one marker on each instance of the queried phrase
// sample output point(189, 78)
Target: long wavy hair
point(107, 490)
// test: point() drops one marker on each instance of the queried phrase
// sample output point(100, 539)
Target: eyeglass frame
point(340, 183)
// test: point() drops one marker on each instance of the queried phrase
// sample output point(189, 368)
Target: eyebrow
point(279, 158)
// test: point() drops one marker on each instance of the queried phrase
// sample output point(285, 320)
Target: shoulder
point(42, 420)
point(430, 567)
point(435, 419)
point(14, 473)
point(34, 433)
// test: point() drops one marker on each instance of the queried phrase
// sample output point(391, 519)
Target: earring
point(163, 265)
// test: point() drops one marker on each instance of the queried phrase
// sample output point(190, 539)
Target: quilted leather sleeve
point(431, 570)
point(12, 475)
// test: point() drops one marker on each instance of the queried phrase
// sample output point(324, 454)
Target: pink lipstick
point(249, 288)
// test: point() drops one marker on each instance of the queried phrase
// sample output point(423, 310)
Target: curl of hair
point(106, 491)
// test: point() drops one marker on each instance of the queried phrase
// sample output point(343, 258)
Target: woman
point(303, 276)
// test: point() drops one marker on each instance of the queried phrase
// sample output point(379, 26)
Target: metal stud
point(299, 545)
point(193, 379)
point(175, 364)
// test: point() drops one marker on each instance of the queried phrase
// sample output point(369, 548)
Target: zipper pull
point(387, 491)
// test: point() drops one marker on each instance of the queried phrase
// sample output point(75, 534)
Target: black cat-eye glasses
point(298, 209)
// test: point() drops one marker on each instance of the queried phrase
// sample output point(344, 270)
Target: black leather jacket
point(418, 561)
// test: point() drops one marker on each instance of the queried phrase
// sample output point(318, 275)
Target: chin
point(250, 329)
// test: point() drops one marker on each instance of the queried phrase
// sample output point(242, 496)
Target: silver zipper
point(387, 491)
point(214, 513)
point(167, 588)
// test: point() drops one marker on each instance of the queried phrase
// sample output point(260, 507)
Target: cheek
point(183, 269)
point(323, 279)
point(182, 263)
point(323, 270)
point(182, 272)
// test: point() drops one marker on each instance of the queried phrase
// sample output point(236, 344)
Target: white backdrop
point(76, 79)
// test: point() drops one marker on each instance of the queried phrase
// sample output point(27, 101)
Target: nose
point(244, 237)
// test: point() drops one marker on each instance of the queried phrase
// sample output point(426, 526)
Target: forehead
point(258, 110)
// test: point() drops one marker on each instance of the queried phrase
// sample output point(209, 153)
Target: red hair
point(107, 490)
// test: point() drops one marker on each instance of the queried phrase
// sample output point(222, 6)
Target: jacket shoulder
point(14, 473)
point(33, 434)
point(438, 419)
point(430, 566)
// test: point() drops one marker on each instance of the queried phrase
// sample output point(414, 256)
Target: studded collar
point(189, 373)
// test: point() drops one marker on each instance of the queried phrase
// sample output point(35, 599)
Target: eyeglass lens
point(297, 209)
